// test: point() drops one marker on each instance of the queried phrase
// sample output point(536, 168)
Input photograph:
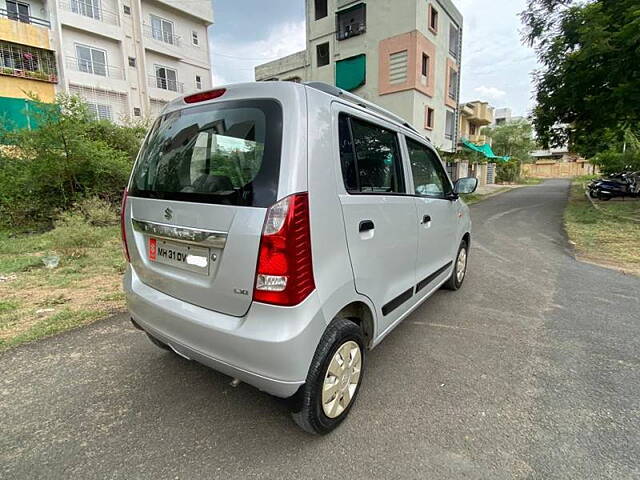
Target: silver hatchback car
point(277, 231)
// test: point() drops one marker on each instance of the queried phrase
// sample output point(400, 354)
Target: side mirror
point(465, 185)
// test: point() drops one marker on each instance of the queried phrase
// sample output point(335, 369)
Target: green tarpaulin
point(18, 113)
point(351, 73)
point(485, 150)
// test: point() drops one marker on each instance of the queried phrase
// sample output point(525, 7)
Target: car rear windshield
point(226, 153)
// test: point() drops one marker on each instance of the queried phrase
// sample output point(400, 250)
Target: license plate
point(179, 255)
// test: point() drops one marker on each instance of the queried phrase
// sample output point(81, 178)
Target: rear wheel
point(603, 196)
point(459, 268)
point(334, 378)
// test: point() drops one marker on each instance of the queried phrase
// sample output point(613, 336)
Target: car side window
point(370, 157)
point(429, 177)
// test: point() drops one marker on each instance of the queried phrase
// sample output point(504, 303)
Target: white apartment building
point(126, 58)
point(403, 55)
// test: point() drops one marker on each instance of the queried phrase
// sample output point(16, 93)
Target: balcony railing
point(160, 35)
point(95, 68)
point(91, 10)
point(20, 17)
point(165, 84)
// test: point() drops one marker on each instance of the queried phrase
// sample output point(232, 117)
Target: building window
point(87, 8)
point(453, 84)
point(91, 60)
point(126, 9)
point(132, 61)
point(433, 19)
point(472, 129)
point(351, 73)
point(425, 65)
point(429, 118)
point(398, 67)
point(454, 41)
point(136, 111)
point(322, 54)
point(450, 124)
point(194, 38)
point(99, 111)
point(162, 30)
point(166, 78)
point(321, 10)
point(18, 11)
point(198, 82)
point(351, 22)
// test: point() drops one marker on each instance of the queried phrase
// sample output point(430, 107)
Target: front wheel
point(334, 378)
point(459, 268)
point(603, 196)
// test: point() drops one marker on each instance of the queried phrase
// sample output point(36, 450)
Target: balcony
point(90, 18)
point(94, 68)
point(25, 18)
point(165, 84)
point(479, 139)
point(96, 75)
point(479, 113)
point(27, 62)
point(162, 42)
point(91, 11)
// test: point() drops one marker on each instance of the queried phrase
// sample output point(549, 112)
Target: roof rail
point(338, 92)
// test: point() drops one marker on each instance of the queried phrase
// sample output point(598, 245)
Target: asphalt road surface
point(530, 371)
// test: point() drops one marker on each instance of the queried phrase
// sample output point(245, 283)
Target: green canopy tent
point(484, 150)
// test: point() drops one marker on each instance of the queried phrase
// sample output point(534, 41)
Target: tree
point(68, 157)
point(513, 139)
point(588, 89)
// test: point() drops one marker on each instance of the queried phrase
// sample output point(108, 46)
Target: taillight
point(284, 275)
point(123, 228)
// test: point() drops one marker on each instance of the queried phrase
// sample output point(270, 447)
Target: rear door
point(379, 217)
point(436, 215)
point(198, 197)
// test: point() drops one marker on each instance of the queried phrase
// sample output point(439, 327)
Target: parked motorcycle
point(622, 184)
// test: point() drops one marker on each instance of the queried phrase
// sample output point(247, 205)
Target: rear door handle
point(426, 219)
point(366, 225)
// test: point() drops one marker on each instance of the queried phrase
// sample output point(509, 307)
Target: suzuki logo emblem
point(168, 213)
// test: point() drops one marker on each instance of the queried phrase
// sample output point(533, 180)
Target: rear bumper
point(270, 347)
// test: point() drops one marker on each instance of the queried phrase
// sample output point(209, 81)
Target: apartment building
point(27, 61)
point(126, 58)
point(474, 116)
point(402, 55)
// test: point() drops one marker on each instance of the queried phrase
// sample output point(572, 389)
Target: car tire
point(158, 343)
point(317, 414)
point(456, 280)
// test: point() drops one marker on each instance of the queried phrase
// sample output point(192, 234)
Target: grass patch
point(601, 237)
point(38, 302)
point(64, 320)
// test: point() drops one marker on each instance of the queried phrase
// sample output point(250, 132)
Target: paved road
point(530, 371)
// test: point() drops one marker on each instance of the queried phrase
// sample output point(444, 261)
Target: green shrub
point(508, 171)
point(69, 157)
point(97, 212)
point(73, 234)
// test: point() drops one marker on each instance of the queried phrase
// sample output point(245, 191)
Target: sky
point(496, 66)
